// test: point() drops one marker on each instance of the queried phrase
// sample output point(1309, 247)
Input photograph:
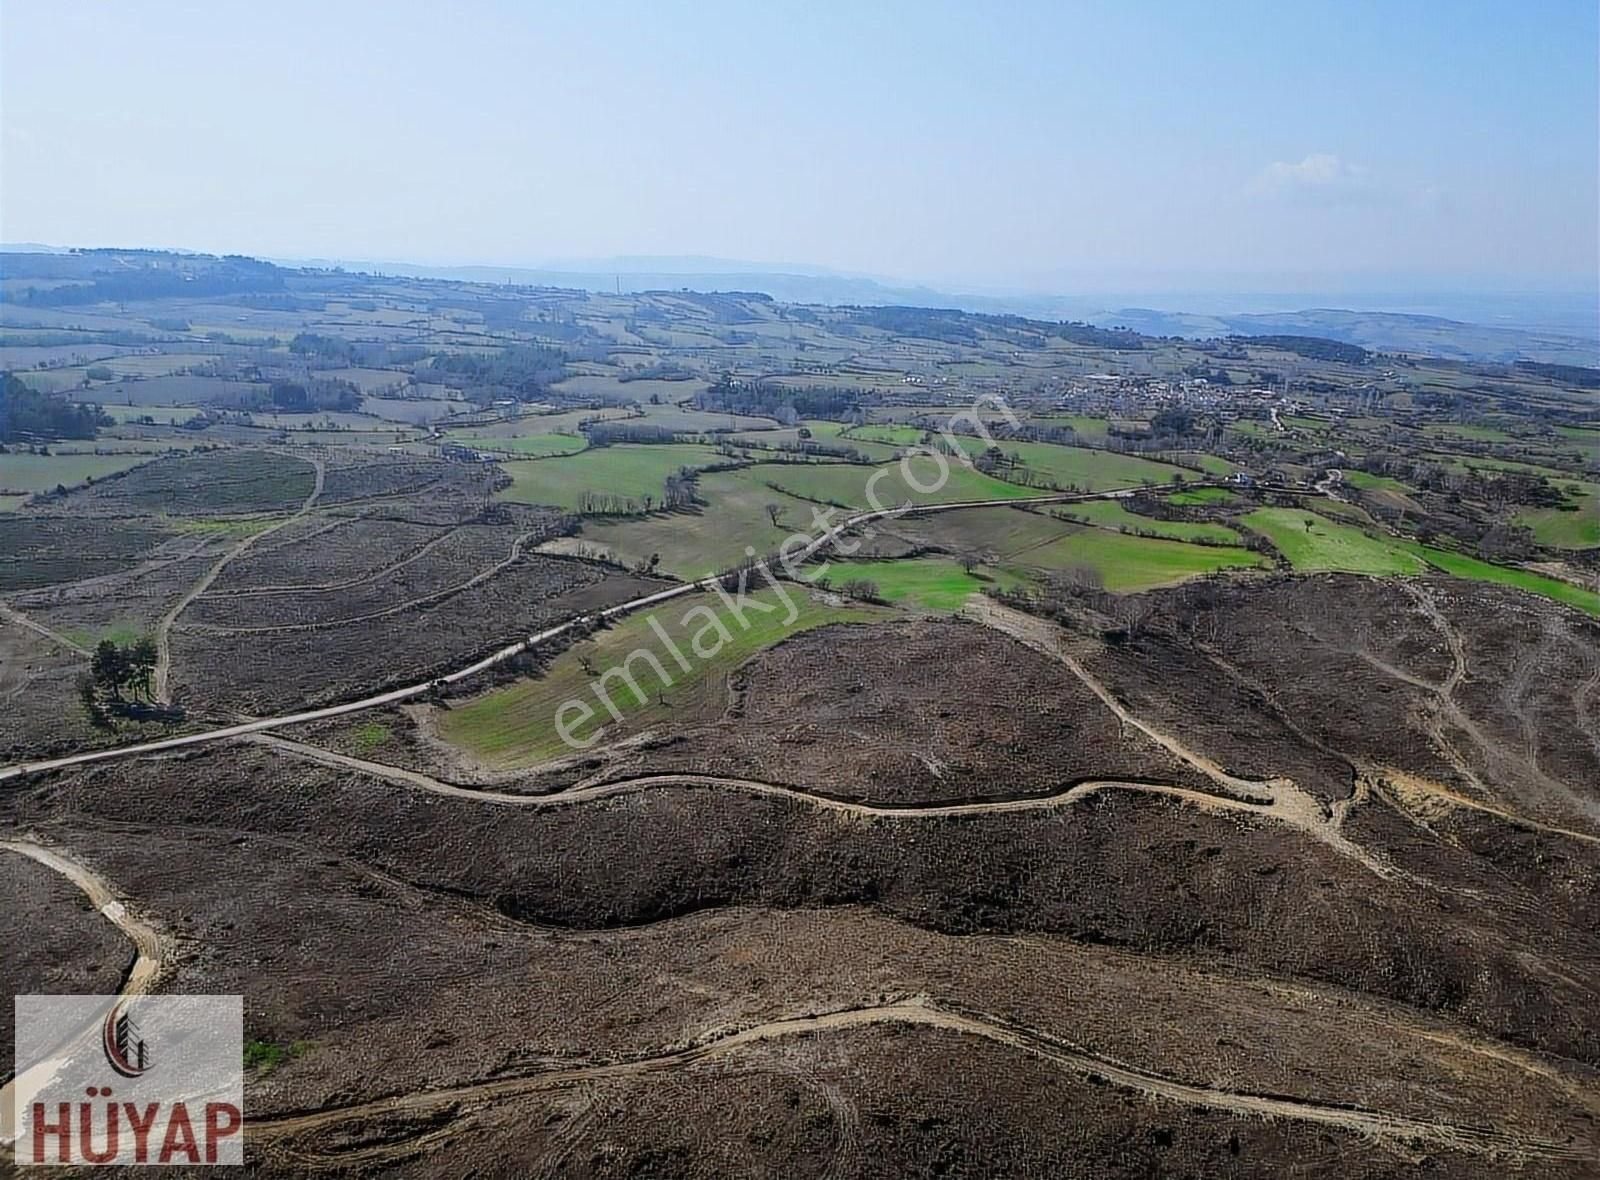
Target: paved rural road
point(393, 696)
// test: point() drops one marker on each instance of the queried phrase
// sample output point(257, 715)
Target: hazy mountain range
point(1553, 327)
point(1556, 327)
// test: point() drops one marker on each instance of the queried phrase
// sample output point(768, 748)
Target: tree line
point(26, 415)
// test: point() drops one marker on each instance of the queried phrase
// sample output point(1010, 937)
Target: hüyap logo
point(125, 1049)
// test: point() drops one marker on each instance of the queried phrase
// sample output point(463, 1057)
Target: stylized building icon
point(125, 1049)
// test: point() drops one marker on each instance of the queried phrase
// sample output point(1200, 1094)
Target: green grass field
point(156, 365)
point(12, 503)
point(1341, 510)
point(534, 425)
point(1313, 543)
point(932, 583)
point(1253, 428)
point(1315, 425)
point(1469, 433)
point(516, 725)
point(165, 415)
point(220, 526)
point(1576, 526)
point(1470, 567)
point(1368, 482)
point(1203, 497)
point(1210, 464)
point(1080, 467)
point(848, 484)
point(687, 421)
point(712, 538)
point(42, 473)
point(1081, 424)
point(1110, 514)
point(999, 533)
point(896, 436)
point(1126, 563)
point(1479, 464)
point(372, 735)
point(829, 434)
point(536, 446)
point(123, 631)
point(627, 471)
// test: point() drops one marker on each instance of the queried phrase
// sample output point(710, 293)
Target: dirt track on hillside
point(1398, 1130)
point(164, 626)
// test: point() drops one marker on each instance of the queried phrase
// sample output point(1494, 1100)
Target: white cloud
point(1321, 178)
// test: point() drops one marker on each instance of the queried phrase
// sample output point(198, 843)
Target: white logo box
point(120, 1080)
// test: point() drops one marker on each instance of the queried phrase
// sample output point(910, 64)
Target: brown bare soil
point(1113, 868)
point(324, 550)
point(229, 481)
point(406, 643)
point(836, 1106)
point(426, 570)
point(359, 475)
point(38, 693)
point(1268, 880)
point(865, 713)
point(39, 550)
point(55, 940)
point(122, 604)
point(1470, 686)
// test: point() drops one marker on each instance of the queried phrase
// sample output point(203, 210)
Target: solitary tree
point(142, 658)
point(115, 668)
point(109, 668)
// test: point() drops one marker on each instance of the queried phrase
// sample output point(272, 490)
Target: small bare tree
point(775, 513)
point(1080, 577)
point(1134, 611)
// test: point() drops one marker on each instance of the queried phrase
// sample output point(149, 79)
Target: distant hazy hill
point(670, 274)
point(1509, 340)
point(1385, 331)
point(796, 283)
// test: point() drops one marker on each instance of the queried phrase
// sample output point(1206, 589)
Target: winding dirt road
point(588, 793)
point(1393, 1129)
point(1281, 799)
point(152, 951)
point(150, 947)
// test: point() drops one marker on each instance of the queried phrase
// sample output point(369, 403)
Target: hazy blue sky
point(1029, 145)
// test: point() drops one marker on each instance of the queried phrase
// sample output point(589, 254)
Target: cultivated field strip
point(476, 579)
point(394, 696)
point(163, 668)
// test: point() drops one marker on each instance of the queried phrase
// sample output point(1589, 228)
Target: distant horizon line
point(1566, 321)
point(1063, 283)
